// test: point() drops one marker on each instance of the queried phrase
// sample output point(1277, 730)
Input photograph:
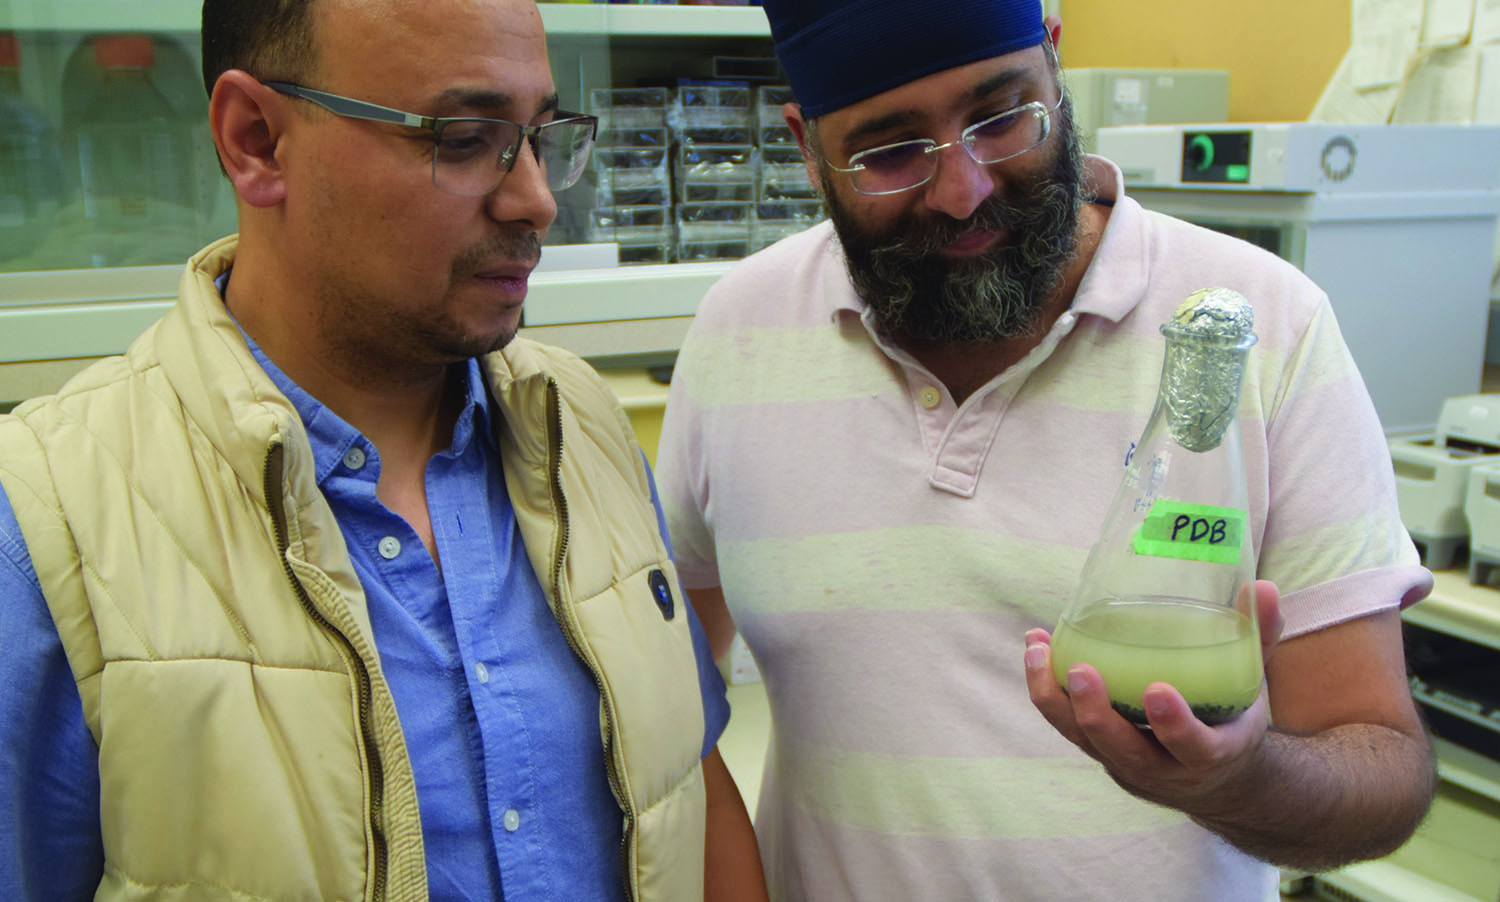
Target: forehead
point(416, 51)
point(934, 99)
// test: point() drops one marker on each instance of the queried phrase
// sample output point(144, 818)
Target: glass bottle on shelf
point(30, 166)
point(135, 163)
point(1167, 592)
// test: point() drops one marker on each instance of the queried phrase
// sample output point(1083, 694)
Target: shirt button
point(354, 458)
point(930, 397)
point(482, 672)
point(512, 820)
point(389, 547)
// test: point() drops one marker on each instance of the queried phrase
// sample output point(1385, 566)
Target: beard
point(514, 246)
point(913, 290)
point(392, 339)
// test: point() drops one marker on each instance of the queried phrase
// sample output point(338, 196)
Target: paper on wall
point(1447, 23)
point(1487, 92)
point(1442, 88)
point(1343, 103)
point(1384, 35)
point(1486, 21)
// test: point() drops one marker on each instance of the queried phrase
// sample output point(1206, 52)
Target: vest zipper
point(570, 627)
point(357, 668)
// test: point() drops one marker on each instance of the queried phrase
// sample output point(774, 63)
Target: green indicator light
point(1201, 152)
point(1237, 172)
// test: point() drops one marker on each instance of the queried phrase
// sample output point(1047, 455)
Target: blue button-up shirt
point(501, 718)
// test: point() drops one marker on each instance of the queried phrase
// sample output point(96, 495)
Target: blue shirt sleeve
point(710, 681)
point(50, 844)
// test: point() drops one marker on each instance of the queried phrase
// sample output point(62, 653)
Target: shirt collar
point(331, 437)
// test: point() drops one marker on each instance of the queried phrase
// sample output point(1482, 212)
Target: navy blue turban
point(838, 52)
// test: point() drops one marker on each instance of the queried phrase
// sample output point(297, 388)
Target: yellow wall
point(644, 400)
point(1279, 53)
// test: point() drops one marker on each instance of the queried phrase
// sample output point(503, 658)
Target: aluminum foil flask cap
point(1200, 386)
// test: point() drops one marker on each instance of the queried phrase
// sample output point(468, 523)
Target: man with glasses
point(331, 587)
point(892, 439)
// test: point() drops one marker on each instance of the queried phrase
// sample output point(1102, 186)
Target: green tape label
point(1194, 532)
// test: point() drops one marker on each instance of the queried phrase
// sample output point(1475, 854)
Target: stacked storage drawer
point(708, 172)
point(715, 172)
point(633, 187)
point(786, 202)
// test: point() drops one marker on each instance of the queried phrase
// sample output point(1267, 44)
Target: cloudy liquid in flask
point(1209, 652)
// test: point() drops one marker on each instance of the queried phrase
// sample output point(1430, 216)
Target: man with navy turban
point(891, 440)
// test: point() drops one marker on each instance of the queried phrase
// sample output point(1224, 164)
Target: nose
point(959, 185)
point(523, 197)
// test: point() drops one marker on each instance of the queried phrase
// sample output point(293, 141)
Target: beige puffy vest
point(248, 743)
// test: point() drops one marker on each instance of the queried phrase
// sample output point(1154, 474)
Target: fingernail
point(1156, 702)
point(1077, 682)
point(1036, 656)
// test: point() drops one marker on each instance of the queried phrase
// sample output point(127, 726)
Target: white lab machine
point(1482, 509)
point(1395, 222)
point(1433, 471)
point(1104, 97)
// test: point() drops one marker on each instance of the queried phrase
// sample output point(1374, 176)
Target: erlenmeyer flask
point(1167, 592)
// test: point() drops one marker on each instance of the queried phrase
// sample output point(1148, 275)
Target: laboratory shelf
point(645, 21)
point(1459, 609)
point(576, 19)
point(1471, 613)
point(595, 313)
point(1471, 770)
point(1384, 881)
point(100, 15)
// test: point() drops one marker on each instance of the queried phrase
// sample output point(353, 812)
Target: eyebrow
point(486, 100)
point(974, 95)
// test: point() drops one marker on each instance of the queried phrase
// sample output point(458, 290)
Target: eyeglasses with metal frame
point(904, 165)
point(471, 156)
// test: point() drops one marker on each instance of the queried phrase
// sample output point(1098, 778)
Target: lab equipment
point(1167, 592)
point(1106, 97)
point(1433, 470)
point(1395, 222)
point(1482, 511)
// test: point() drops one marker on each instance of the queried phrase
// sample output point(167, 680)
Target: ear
point(1053, 24)
point(792, 113)
point(246, 118)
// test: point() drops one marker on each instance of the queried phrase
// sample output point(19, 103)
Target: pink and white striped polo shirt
point(883, 551)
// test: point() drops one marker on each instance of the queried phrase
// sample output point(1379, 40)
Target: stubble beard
point(387, 339)
point(913, 290)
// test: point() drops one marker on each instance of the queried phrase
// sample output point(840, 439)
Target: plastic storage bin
point(715, 172)
point(629, 108)
point(630, 167)
point(713, 231)
point(770, 125)
point(783, 174)
point(643, 232)
point(775, 220)
point(713, 106)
